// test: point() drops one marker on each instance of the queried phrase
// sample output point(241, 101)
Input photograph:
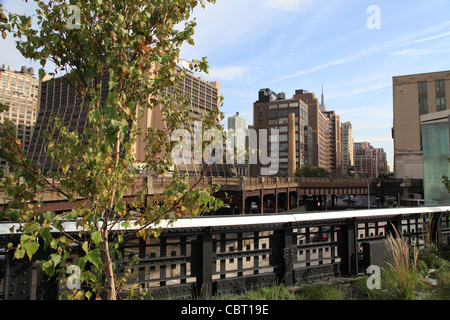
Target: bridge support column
point(17, 284)
point(243, 202)
point(276, 200)
point(261, 198)
point(348, 248)
point(288, 206)
point(203, 253)
point(282, 256)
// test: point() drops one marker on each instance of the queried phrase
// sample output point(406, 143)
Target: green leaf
point(94, 115)
point(31, 248)
point(55, 258)
point(85, 247)
point(96, 237)
point(93, 257)
point(41, 73)
point(3, 107)
point(45, 234)
point(19, 253)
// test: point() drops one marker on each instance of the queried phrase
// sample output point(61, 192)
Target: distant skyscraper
point(323, 108)
point(318, 149)
point(290, 117)
point(61, 98)
point(366, 160)
point(236, 122)
point(237, 125)
point(383, 167)
point(20, 91)
point(346, 147)
point(334, 141)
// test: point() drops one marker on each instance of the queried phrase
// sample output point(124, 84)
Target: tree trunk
point(110, 283)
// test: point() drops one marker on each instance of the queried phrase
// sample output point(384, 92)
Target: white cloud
point(311, 70)
point(412, 52)
point(441, 35)
point(368, 51)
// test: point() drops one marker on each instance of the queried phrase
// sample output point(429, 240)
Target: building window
point(440, 86)
point(423, 98)
point(440, 95)
point(422, 88)
point(440, 104)
point(283, 121)
point(283, 113)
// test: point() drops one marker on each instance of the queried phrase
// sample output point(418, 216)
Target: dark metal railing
point(210, 256)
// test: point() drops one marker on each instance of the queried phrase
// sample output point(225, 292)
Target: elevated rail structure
point(209, 256)
point(268, 194)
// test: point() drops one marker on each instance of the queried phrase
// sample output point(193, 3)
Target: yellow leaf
point(79, 295)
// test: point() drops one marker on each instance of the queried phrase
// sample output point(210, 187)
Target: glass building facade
point(436, 149)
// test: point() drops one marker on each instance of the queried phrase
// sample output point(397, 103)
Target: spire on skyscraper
point(322, 102)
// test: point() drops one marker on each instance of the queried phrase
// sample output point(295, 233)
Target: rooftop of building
point(423, 74)
point(24, 70)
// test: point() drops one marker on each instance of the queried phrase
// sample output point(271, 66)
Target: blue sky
point(286, 45)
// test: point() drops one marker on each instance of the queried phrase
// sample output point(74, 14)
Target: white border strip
point(224, 221)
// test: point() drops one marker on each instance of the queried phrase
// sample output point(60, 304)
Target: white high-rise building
point(347, 159)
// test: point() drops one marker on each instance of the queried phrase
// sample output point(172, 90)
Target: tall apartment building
point(204, 97)
point(318, 123)
point(61, 98)
point(414, 96)
point(290, 117)
point(370, 161)
point(347, 160)
point(20, 91)
point(326, 137)
point(383, 167)
point(334, 141)
point(366, 160)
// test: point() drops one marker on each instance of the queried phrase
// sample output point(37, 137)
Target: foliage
point(320, 292)
point(308, 171)
point(317, 291)
point(404, 265)
point(445, 180)
point(137, 44)
point(269, 293)
point(410, 277)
